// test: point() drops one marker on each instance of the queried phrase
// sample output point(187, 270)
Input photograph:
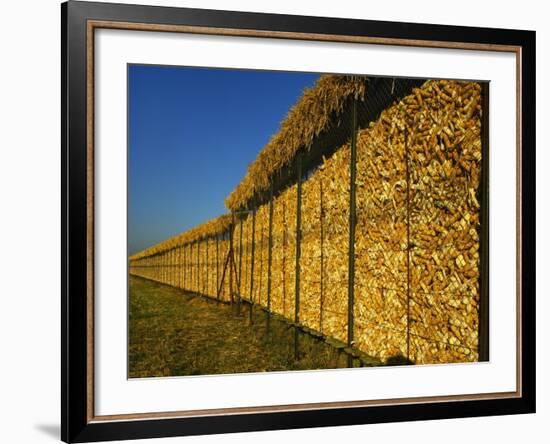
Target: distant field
point(174, 333)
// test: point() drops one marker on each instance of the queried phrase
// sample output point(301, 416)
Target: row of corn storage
point(417, 262)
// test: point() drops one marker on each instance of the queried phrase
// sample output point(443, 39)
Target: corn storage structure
point(363, 221)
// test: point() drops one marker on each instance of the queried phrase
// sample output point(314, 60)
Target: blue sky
point(192, 134)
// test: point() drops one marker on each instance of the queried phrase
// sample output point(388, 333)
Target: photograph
point(284, 221)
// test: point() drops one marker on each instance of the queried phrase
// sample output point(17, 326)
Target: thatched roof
point(311, 115)
point(211, 228)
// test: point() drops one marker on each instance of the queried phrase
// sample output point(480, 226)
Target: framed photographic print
point(276, 221)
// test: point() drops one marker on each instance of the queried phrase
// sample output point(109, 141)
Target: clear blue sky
point(192, 134)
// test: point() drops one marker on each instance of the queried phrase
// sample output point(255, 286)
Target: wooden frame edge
point(80, 424)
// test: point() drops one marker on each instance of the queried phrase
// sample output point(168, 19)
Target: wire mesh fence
point(370, 236)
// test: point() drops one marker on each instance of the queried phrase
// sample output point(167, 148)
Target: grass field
point(174, 333)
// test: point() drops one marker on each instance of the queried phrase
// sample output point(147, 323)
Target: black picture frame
point(76, 423)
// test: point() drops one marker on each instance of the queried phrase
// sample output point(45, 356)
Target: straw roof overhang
point(208, 229)
point(312, 114)
point(310, 118)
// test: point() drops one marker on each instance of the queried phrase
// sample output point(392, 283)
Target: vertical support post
point(185, 266)
point(204, 266)
point(198, 266)
point(408, 209)
point(179, 268)
point(199, 277)
point(284, 257)
point(252, 260)
point(261, 255)
point(201, 259)
point(217, 264)
point(231, 257)
point(240, 264)
point(269, 255)
point(298, 252)
point(321, 298)
point(483, 198)
point(352, 224)
point(171, 269)
point(207, 265)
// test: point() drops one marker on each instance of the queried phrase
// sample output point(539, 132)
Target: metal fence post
point(321, 214)
point(284, 257)
point(207, 264)
point(352, 223)
point(269, 255)
point(408, 210)
point(298, 253)
point(240, 264)
point(171, 267)
point(185, 266)
point(178, 257)
point(252, 248)
point(231, 259)
point(199, 265)
point(217, 264)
